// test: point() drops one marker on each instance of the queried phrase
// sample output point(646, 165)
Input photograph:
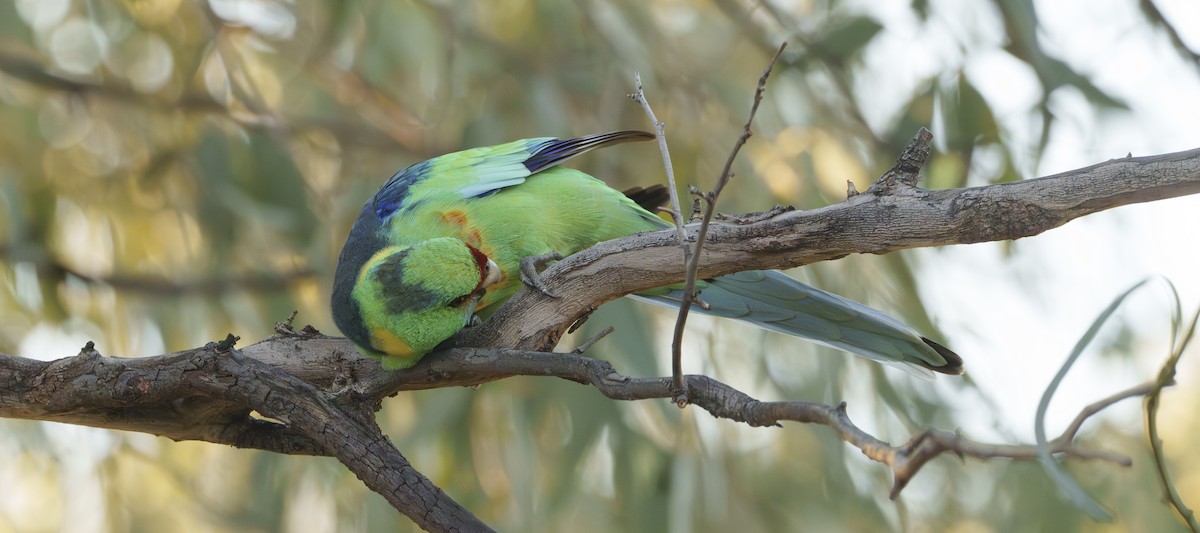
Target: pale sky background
point(1023, 316)
point(1016, 319)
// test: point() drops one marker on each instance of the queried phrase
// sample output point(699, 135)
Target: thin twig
point(1100, 405)
point(595, 338)
point(660, 132)
point(693, 262)
point(1166, 376)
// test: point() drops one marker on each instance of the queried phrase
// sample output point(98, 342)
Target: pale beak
point(491, 276)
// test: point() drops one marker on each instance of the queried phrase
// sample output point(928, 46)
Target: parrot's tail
point(770, 299)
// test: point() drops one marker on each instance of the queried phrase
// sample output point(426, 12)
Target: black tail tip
point(650, 198)
point(954, 363)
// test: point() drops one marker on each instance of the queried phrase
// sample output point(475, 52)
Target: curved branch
point(207, 394)
point(338, 423)
point(347, 432)
point(892, 215)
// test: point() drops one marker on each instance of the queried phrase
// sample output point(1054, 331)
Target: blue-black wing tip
point(954, 362)
point(556, 151)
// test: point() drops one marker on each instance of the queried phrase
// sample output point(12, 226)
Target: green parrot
point(444, 241)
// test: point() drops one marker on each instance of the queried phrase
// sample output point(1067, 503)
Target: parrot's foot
point(530, 267)
point(472, 319)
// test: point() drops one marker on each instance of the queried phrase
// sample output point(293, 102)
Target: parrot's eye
point(460, 300)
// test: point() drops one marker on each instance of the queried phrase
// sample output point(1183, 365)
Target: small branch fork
point(691, 257)
point(1166, 378)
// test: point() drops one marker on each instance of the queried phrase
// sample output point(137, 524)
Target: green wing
point(480, 172)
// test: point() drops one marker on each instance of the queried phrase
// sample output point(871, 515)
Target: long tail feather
point(770, 299)
point(559, 150)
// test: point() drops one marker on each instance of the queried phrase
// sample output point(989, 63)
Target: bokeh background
point(173, 170)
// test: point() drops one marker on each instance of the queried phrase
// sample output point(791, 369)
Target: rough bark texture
point(323, 393)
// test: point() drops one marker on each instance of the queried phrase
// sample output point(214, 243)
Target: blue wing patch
point(395, 190)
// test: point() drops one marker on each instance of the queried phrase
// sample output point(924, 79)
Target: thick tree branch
point(208, 394)
point(232, 380)
point(894, 216)
point(345, 431)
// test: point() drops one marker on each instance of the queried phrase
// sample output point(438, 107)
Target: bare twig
point(840, 102)
point(1166, 376)
point(1100, 405)
point(693, 262)
point(595, 338)
point(660, 132)
point(285, 327)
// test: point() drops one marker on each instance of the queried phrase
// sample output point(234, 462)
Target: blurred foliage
point(171, 170)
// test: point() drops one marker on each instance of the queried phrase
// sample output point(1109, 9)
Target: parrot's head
point(411, 298)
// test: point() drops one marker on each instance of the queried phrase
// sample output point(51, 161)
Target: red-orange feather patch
point(481, 260)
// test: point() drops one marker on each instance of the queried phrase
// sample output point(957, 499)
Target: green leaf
point(1021, 23)
point(844, 41)
point(1060, 477)
point(972, 117)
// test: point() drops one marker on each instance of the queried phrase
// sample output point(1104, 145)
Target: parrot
point(446, 241)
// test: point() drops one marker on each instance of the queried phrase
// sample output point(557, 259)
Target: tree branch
point(692, 261)
point(324, 392)
point(889, 218)
point(235, 380)
point(207, 394)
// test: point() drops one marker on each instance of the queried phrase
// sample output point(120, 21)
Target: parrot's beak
point(491, 276)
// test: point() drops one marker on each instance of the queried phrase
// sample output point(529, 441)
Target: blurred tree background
point(172, 170)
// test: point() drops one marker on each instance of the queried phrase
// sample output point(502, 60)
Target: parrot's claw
point(472, 319)
point(530, 267)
